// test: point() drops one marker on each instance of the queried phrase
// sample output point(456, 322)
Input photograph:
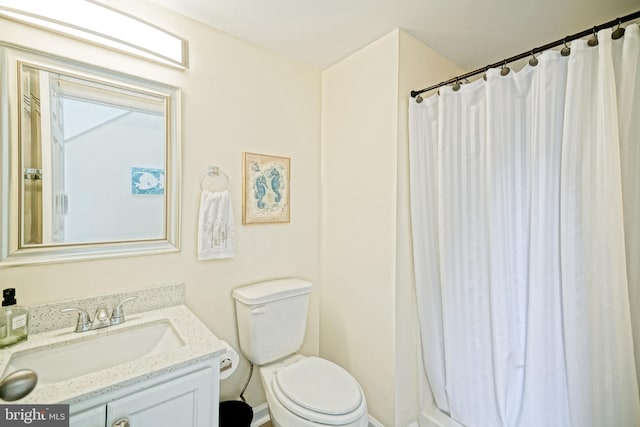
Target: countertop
point(200, 344)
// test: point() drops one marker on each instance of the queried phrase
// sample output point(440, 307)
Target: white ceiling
point(472, 33)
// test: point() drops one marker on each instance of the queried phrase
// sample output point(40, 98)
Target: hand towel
point(216, 228)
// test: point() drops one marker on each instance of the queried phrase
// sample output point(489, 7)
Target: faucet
point(102, 318)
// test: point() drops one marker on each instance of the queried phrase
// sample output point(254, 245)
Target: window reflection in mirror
point(93, 160)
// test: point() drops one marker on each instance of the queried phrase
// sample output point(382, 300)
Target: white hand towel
point(216, 228)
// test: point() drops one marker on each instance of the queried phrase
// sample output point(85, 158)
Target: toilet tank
point(271, 318)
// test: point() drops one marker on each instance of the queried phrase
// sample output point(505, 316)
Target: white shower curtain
point(525, 203)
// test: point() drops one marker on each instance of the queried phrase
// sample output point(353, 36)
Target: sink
point(84, 355)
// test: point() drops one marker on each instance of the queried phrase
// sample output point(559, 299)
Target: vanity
point(184, 397)
point(161, 367)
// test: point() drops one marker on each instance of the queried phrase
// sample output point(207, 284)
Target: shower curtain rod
point(567, 39)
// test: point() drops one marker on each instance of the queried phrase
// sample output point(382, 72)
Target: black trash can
point(235, 413)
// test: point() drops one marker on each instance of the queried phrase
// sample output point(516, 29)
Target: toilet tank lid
point(272, 290)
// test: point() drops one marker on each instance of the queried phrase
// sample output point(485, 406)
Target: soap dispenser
point(14, 320)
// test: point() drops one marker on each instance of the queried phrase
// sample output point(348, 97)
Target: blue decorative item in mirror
point(147, 180)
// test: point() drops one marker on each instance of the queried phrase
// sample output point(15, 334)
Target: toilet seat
point(319, 391)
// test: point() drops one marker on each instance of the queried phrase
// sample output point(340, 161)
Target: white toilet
point(301, 391)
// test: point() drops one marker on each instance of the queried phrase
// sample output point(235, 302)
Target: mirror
point(93, 161)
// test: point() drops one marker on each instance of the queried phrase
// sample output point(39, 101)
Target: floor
point(266, 425)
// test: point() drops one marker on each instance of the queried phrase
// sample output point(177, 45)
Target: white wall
point(229, 93)
point(97, 165)
point(358, 211)
point(368, 321)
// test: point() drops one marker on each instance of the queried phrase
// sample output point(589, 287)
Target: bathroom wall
point(229, 94)
point(359, 125)
point(368, 321)
point(104, 188)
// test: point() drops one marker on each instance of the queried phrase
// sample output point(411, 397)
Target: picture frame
point(147, 181)
point(265, 189)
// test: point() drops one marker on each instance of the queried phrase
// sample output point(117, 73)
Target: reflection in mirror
point(98, 161)
point(93, 159)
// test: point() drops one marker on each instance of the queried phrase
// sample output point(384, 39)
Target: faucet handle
point(117, 316)
point(84, 321)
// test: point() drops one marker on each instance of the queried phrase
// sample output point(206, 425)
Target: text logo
point(34, 415)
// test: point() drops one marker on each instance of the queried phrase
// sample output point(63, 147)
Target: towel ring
point(214, 171)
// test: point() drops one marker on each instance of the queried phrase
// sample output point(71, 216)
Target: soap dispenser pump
point(14, 320)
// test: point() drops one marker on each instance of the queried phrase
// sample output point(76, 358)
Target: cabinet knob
point(122, 422)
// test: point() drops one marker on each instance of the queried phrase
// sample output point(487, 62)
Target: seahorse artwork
point(266, 191)
point(260, 191)
point(275, 183)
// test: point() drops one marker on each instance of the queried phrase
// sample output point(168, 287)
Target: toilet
point(301, 391)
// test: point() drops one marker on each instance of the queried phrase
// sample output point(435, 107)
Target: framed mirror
point(90, 160)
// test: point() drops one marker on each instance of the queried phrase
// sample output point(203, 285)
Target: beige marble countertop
point(200, 344)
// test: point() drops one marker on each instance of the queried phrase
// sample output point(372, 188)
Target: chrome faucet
point(102, 319)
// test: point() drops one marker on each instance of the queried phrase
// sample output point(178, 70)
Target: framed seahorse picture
point(265, 189)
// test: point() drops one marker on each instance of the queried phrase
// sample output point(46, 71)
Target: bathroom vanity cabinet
point(187, 397)
point(160, 368)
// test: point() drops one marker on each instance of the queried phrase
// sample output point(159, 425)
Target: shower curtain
point(525, 205)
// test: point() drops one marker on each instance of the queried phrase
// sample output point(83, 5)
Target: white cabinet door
point(94, 417)
point(186, 401)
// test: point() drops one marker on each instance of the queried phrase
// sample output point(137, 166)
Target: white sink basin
point(82, 356)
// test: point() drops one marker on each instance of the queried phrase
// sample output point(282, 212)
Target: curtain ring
point(504, 70)
point(593, 40)
point(456, 86)
point(566, 50)
point(618, 32)
point(533, 61)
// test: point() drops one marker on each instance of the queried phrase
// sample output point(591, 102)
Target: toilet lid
point(319, 386)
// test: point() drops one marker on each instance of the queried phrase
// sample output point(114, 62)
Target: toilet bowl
point(310, 391)
point(301, 391)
